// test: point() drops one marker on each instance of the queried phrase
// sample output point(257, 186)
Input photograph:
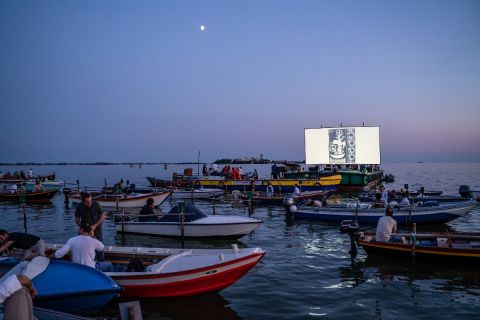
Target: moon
point(202, 28)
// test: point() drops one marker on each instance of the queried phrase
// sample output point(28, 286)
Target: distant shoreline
point(128, 163)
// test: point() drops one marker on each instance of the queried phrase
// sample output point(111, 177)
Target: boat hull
point(187, 283)
point(30, 197)
point(196, 194)
point(191, 230)
point(109, 201)
point(401, 215)
point(278, 200)
point(279, 185)
point(465, 249)
point(86, 292)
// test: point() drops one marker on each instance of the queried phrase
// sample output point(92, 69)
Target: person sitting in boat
point(269, 190)
point(386, 226)
point(14, 188)
point(392, 194)
point(314, 203)
point(378, 202)
point(405, 201)
point(147, 213)
point(384, 194)
point(38, 187)
point(84, 248)
point(31, 245)
point(16, 294)
point(296, 191)
point(204, 169)
point(118, 187)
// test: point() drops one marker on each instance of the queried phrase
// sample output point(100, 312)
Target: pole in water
point(213, 203)
point(24, 218)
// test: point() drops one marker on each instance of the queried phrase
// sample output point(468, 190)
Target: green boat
point(359, 179)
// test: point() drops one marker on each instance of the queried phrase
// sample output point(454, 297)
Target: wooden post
point(413, 240)
point(213, 203)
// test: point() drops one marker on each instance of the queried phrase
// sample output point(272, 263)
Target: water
point(307, 272)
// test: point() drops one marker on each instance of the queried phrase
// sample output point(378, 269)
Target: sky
point(85, 81)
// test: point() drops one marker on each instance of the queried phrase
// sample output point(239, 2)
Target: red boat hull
point(187, 283)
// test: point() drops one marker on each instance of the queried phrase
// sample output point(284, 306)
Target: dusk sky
point(139, 81)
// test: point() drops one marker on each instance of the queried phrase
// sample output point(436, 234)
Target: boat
point(278, 199)
point(195, 224)
point(203, 193)
point(178, 272)
point(86, 292)
point(438, 199)
point(123, 200)
point(324, 183)
point(364, 214)
point(28, 197)
point(451, 247)
point(9, 178)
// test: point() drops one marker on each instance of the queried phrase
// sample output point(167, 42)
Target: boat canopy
point(191, 212)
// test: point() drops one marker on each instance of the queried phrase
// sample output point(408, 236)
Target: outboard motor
point(465, 191)
point(290, 207)
point(351, 228)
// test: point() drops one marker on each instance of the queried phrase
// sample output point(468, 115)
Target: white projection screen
point(344, 145)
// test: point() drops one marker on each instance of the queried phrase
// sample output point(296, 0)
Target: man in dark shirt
point(31, 245)
point(91, 213)
point(147, 213)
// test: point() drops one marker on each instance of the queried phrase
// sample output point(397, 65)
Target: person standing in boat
point(296, 190)
point(147, 213)
point(386, 226)
point(30, 173)
point(90, 212)
point(384, 194)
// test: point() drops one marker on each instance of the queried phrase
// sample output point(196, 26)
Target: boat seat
point(158, 267)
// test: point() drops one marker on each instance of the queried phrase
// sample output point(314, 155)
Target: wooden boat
point(179, 272)
point(29, 197)
point(160, 183)
point(195, 224)
point(454, 247)
point(439, 199)
point(123, 200)
point(278, 199)
point(21, 179)
point(280, 185)
point(57, 289)
point(364, 214)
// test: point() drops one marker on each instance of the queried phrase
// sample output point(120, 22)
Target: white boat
point(137, 200)
point(204, 193)
point(178, 272)
point(195, 224)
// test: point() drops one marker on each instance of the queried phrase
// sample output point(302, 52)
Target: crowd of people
point(231, 173)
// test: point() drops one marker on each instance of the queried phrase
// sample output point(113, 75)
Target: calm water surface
point(307, 272)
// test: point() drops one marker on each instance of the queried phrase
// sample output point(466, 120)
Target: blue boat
point(417, 214)
point(68, 287)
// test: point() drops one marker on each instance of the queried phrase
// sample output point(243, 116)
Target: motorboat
point(187, 221)
point(28, 197)
point(167, 272)
point(132, 200)
point(364, 213)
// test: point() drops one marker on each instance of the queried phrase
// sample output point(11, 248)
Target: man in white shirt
point(386, 226)
point(83, 249)
point(16, 293)
point(296, 191)
point(384, 194)
point(405, 201)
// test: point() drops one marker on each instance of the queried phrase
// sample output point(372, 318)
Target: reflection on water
point(209, 306)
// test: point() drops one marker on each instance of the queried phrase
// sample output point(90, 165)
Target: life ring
point(221, 184)
point(196, 183)
point(317, 184)
point(264, 183)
